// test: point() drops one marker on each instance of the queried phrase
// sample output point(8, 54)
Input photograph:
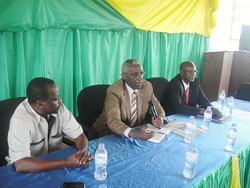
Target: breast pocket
point(55, 142)
point(38, 148)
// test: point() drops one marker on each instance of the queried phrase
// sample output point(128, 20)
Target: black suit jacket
point(174, 97)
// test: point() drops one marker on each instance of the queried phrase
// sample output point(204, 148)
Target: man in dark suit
point(184, 94)
point(118, 115)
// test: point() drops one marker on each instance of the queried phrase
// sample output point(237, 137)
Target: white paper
point(159, 133)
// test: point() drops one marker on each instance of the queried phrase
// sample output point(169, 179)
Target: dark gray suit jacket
point(174, 97)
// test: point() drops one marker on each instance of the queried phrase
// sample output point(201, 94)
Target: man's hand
point(141, 133)
point(30, 164)
point(157, 122)
point(216, 112)
point(79, 158)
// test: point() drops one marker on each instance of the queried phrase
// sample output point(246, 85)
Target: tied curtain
point(81, 43)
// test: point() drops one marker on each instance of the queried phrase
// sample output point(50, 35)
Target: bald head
point(186, 64)
point(188, 71)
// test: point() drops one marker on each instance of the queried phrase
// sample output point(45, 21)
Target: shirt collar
point(37, 116)
point(130, 90)
point(185, 85)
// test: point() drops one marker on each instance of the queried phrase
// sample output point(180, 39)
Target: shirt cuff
point(126, 132)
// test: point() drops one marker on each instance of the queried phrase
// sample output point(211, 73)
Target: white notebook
point(159, 133)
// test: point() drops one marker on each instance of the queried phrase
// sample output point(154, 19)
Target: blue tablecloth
point(136, 163)
point(238, 104)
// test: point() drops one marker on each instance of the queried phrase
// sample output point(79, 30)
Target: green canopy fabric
point(82, 43)
point(23, 15)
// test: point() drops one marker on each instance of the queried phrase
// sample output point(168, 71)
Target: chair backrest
point(243, 92)
point(7, 108)
point(90, 103)
point(159, 86)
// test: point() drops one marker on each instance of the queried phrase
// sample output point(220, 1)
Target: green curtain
point(77, 58)
point(244, 166)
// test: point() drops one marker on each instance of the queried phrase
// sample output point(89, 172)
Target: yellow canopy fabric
point(171, 16)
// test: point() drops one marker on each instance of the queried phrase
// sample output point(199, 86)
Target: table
point(239, 104)
point(136, 163)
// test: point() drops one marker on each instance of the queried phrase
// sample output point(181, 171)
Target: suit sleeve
point(175, 99)
point(203, 101)
point(157, 104)
point(112, 109)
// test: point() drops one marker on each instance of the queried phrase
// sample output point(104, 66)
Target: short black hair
point(37, 89)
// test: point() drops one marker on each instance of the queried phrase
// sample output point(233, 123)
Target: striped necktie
point(133, 107)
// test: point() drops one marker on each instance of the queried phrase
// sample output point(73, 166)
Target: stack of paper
point(179, 128)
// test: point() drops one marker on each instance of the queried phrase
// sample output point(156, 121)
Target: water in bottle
point(207, 118)
point(190, 129)
point(190, 162)
point(101, 157)
point(231, 137)
point(230, 105)
point(222, 97)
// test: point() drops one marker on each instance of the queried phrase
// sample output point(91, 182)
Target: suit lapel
point(127, 102)
point(183, 93)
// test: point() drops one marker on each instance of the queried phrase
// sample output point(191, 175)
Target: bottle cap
point(102, 186)
point(101, 146)
point(234, 125)
point(191, 117)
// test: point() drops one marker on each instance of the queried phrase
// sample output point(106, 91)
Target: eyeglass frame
point(191, 71)
point(136, 74)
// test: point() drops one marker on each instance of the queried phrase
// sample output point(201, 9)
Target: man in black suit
point(184, 94)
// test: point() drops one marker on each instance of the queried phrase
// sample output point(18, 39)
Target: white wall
point(220, 38)
point(231, 15)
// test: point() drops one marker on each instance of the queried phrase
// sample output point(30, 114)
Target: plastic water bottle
point(101, 158)
point(207, 118)
point(230, 105)
point(190, 162)
point(222, 97)
point(231, 137)
point(189, 136)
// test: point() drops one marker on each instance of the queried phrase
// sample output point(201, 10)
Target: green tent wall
point(82, 43)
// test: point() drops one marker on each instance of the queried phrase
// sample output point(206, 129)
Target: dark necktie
point(50, 121)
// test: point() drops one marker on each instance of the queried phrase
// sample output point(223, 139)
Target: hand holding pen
point(157, 122)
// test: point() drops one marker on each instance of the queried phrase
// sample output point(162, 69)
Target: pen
point(160, 133)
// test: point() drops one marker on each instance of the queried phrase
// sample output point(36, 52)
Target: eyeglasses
point(136, 74)
point(54, 100)
point(191, 71)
